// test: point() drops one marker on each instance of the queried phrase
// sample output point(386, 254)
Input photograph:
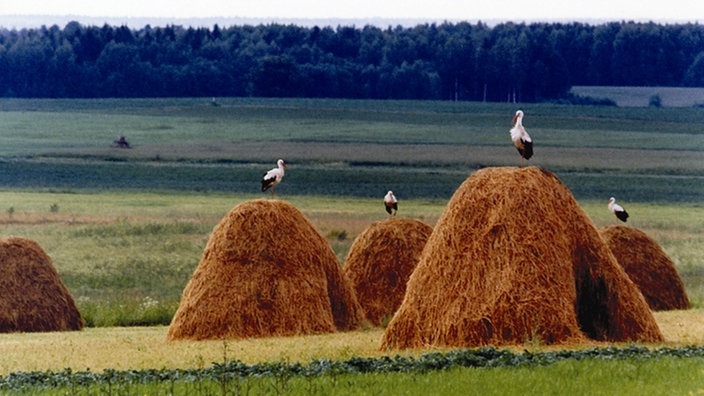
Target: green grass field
point(126, 228)
point(640, 96)
point(344, 148)
point(623, 371)
point(126, 256)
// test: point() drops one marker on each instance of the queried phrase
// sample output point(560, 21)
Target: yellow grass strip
point(124, 348)
point(684, 327)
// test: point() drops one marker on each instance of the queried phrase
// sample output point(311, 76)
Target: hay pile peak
point(513, 259)
point(265, 271)
point(380, 261)
point(648, 266)
point(32, 296)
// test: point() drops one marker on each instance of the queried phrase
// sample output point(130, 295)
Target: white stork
point(520, 138)
point(274, 176)
point(617, 210)
point(390, 203)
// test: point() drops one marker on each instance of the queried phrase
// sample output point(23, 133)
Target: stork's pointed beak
point(513, 121)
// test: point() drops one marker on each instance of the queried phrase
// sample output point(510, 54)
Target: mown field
point(344, 148)
point(125, 228)
point(641, 96)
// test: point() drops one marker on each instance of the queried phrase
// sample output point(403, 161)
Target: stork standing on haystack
point(520, 138)
point(617, 210)
point(390, 203)
point(274, 176)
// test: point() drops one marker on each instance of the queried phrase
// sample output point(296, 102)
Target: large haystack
point(265, 272)
point(32, 296)
point(513, 258)
point(648, 266)
point(381, 260)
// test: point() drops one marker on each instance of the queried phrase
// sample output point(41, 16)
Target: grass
point(640, 96)
point(343, 147)
point(135, 348)
point(54, 127)
point(109, 216)
point(147, 347)
point(631, 377)
point(103, 244)
point(126, 256)
point(126, 228)
point(662, 376)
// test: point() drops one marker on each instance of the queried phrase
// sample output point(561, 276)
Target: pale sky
point(432, 10)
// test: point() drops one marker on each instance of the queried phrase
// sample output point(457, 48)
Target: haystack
point(381, 260)
point(32, 296)
point(513, 259)
point(648, 266)
point(265, 272)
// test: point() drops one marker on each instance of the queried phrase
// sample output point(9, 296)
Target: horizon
point(19, 22)
point(35, 13)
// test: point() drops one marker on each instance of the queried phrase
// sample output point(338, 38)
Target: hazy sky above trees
point(512, 10)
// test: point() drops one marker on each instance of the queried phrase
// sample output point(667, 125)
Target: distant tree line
point(449, 61)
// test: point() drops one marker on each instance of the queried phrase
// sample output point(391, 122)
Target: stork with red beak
point(274, 176)
point(520, 138)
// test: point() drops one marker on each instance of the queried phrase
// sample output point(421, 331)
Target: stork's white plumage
point(520, 138)
point(274, 176)
point(617, 210)
point(391, 203)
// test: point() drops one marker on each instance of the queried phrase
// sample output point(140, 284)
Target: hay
point(513, 259)
point(32, 296)
point(381, 260)
point(648, 266)
point(265, 272)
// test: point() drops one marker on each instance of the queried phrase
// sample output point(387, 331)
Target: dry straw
point(381, 260)
point(265, 271)
point(513, 258)
point(648, 266)
point(32, 296)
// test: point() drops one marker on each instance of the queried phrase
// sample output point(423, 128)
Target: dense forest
point(449, 61)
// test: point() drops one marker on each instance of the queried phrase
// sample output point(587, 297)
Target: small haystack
point(381, 260)
point(513, 258)
point(32, 296)
point(648, 266)
point(265, 272)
